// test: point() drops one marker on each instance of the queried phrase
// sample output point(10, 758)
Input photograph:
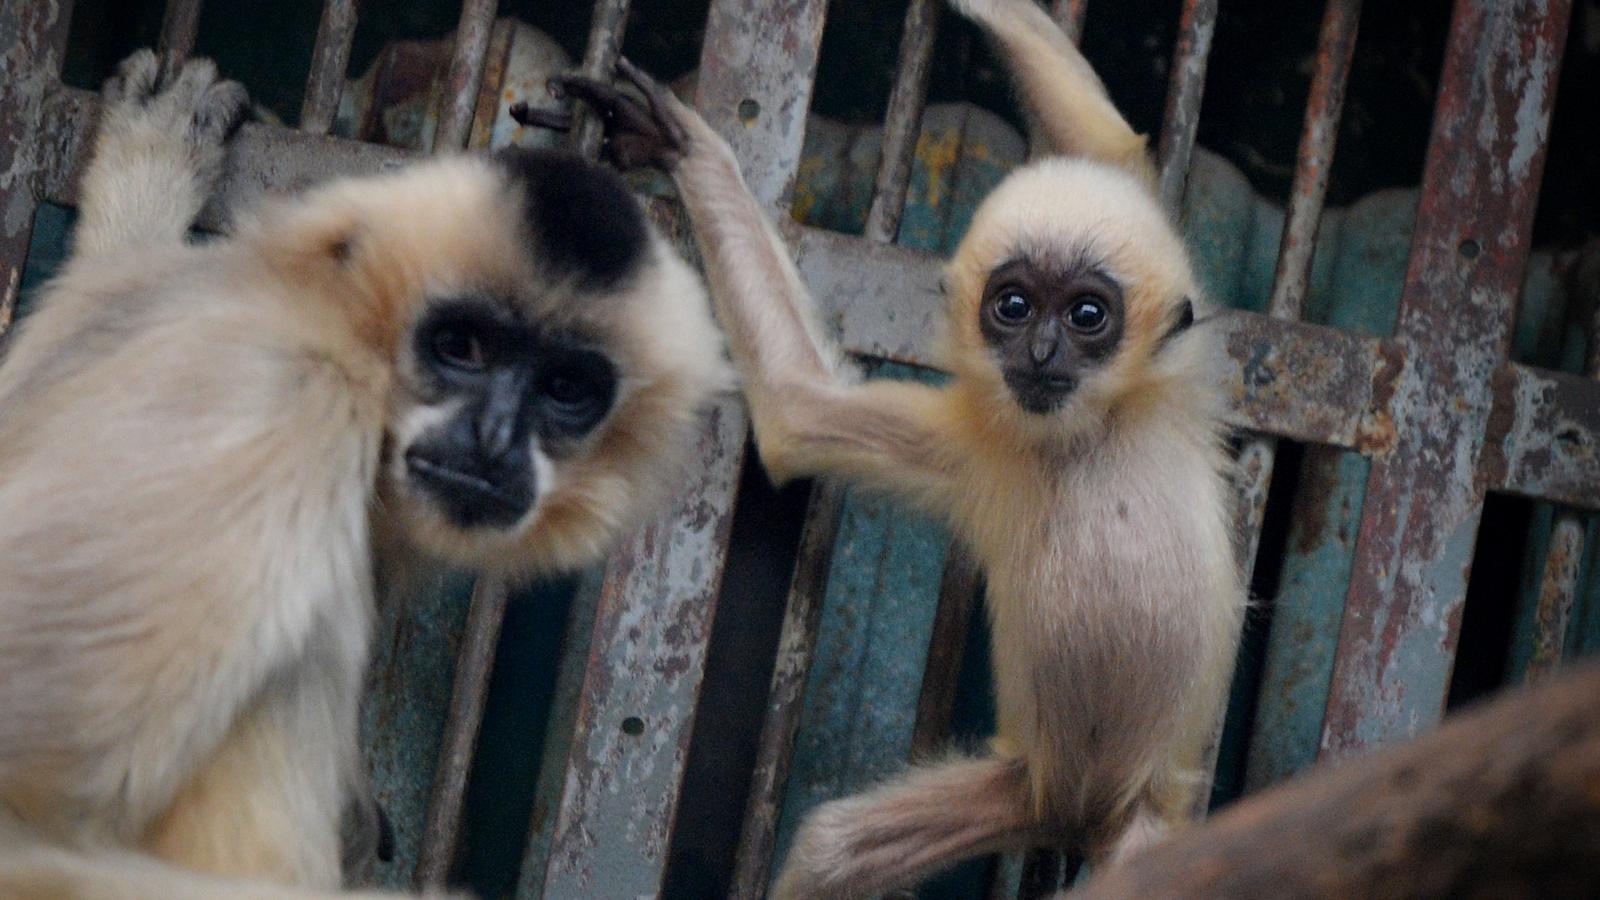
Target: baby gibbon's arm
point(1063, 95)
point(809, 416)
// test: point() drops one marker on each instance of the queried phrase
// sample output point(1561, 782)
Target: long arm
point(158, 151)
point(1064, 97)
point(809, 417)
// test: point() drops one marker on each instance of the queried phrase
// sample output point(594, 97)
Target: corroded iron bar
point(459, 99)
point(1196, 27)
point(329, 59)
point(610, 20)
point(180, 25)
point(1069, 15)
point(907, 99)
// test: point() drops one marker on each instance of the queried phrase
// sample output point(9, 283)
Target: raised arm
point(810, 416)
point(1063, 96)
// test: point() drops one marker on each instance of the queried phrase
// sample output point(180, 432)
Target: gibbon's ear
point(310, 236)
point(1185, 320)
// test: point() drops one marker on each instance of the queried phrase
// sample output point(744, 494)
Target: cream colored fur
point(196, 449)
point(1104, 528)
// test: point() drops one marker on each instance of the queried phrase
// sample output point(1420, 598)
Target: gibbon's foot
point(188, 116)
point(636, 134)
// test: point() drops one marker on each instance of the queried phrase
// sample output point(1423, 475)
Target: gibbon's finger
point(663, 105)
point(634, 137)
point(538, 117)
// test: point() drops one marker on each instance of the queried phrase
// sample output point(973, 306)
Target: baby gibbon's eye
point(1012, 307)
point(457, 348)
point(1088, 314)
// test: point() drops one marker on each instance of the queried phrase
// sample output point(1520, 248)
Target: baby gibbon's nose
point(1044, 340)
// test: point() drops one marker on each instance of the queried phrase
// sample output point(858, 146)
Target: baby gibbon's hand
point(637, 134)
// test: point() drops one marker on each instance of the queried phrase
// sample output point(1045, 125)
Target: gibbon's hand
point(636, 134)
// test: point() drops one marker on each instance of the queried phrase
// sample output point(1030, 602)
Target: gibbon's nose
point(497, 423)
point(1044, 341)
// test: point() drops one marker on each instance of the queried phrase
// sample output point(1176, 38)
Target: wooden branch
point(1503, 800)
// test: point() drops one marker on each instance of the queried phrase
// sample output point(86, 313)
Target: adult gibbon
point(497, 358)
point(1077, 450)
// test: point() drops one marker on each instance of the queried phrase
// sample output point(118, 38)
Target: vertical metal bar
point(797, 644)
point(180, 24)
point(958, 597)
point(641, 691)
point(1336, 43)
point(32, 38)
point(473, 666)
point(329, 59)
point(907, 100)
point(1558, 584)
point(1188, 82)
point(1468, 255)
point(460, 97)
point(1069, 15)
point(606, 28)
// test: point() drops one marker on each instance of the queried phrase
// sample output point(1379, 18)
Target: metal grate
point(1438, 410)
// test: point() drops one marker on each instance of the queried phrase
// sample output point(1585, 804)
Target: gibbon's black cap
point(582, 218)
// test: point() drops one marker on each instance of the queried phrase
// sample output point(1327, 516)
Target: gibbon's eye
point(577, 391)
point(1012, 307)
point(1088, 314)
point(569, 388)
point(458, 348)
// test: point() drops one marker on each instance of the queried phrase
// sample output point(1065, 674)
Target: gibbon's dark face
point(515, 384)
point(1049, 328)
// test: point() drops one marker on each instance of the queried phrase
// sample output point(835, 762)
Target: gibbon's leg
point(157, 154)
point(928, 818)
point(809, 417)
point(1064, 97)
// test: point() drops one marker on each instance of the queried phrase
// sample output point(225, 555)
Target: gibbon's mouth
point(467, 499)
point(1040, 393)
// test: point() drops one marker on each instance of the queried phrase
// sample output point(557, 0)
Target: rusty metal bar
point(1196, 27)
point(907, 100)
point(180, 24)
point(641, 690)
point(1069, 15)
point(329, 59)
point(606, 28)
point(460, 97)
point(958, 597)
point(1468, 255)
point(797, 644)
point(34, 36)
point(471, 686)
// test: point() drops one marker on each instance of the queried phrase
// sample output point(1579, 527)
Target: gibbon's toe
point(135, 80)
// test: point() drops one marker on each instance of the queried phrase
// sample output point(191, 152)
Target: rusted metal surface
point(610, 20)
point(32, 36)
point(1196, 28)
point(1543, 436)
point(460, 97)
point(1069, 15)
point(635, 717)
point(180, 24)
point(907, 99)
point(1425, 494)
point(329, 59)
point(797, 643)
point(469, 688)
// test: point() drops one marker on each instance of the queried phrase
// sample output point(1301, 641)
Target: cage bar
point(180, 25)
point(460, 97)
point(797, 644)
point(474, 663)
point(1425, 491)
point(908, 98)
point(1069, 15)
point(1196, 27)
point(606, 28)
point(330, 57)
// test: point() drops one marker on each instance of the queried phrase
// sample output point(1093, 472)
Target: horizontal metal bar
point(329, 59)
point(1304, 382)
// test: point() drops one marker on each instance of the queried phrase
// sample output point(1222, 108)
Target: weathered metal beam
point(32, 37)
point(1425, 492)
point(459, 99)
point(606, 28)
point(180, 25)
point(647, 662)
point(329, 59)
point(1196, 27)
point(908, 97)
